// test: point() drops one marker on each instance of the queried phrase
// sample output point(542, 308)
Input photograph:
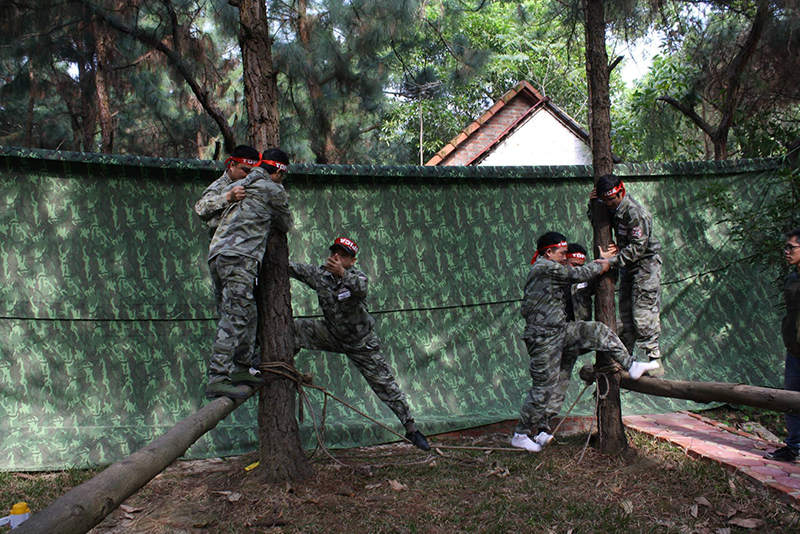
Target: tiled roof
point(522, 88)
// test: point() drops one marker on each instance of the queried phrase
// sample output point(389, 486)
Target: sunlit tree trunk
point(609, 412)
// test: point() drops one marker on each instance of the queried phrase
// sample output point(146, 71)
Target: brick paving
point(734, 449)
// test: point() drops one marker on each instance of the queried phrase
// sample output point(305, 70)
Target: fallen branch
point(779, 400)
point(85, 506)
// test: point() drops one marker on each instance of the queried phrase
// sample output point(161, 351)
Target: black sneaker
point(247, 378)
point(418, 440)
point(784, 454)
point(225, 388)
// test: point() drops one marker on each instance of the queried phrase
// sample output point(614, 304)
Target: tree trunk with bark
point(609, 410)
point(322, 144)
point(104, 117)
point(260, 78)
point(282, 457)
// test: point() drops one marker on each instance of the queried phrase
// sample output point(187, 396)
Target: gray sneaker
point(224, 388)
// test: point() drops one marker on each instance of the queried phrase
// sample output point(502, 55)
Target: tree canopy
point(389, 81)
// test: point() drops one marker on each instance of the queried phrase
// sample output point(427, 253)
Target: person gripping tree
point(218, 195)
point(234, 259)
point(548, 334)
point(639, 263)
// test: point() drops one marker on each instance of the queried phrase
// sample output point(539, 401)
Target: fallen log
point(85, 506)
point(779, 400)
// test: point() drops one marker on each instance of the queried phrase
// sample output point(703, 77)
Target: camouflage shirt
point(213, 203)
point(633, 227)
point(244, 225)
point(790, 328)
point(543, 301)
point(343, 300)
point(578, 299)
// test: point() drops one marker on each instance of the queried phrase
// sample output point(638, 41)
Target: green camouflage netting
point(106, 306)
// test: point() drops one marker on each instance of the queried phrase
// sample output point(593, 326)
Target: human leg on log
point(593, 335)
point(232, 350)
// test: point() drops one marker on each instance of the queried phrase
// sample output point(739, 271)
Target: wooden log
point(779, 400)
point(85, 506)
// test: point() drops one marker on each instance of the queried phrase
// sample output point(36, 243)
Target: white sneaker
point(522, 441)
point(637, 369)
point(543, 438)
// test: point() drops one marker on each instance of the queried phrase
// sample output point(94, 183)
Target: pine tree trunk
point(260, 78)
point(609, 410)
point(282, 457)
point(103, 40)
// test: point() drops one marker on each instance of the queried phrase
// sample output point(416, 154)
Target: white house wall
point(542, 140)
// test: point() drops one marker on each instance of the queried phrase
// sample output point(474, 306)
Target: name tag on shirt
point(344, 294)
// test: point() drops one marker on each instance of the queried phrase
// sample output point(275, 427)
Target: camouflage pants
point(367, 357)
point(568, 359)
point(545, 348)
point(640, 306)
point(232, 350)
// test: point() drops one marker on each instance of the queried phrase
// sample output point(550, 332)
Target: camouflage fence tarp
point(106, 306)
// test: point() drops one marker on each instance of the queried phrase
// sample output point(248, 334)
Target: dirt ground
point(399, 489)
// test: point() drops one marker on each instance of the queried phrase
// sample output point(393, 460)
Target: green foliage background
point(106, 307)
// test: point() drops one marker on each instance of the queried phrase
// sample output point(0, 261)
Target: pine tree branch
point(690, 114)
point(180, 65)
point(737, 66)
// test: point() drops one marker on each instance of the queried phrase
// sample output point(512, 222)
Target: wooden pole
point(611, 432)
point(85, 506)
point(779, 400)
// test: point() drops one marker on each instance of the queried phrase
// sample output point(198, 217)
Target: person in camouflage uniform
point(790, 332)
point(639, 264)
point(548, 335)
point(234, 258)
point(348, 327)
point(578, 300)
point(218, 195)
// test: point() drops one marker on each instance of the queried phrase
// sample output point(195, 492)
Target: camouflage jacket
point(633, 227)
point(213, 202)
point(543, 300)
point(343, 300)
point(244, 225)
point(790, 327)
point(578, 299)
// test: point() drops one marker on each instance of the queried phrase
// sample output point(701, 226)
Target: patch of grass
point(39, 489)
point(396, 488)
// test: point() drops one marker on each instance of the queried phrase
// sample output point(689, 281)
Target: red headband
point(255, 163)
point(577, 255)
point(559, 244)
point(614, 190)
point(278, 164)
point(246, 161)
